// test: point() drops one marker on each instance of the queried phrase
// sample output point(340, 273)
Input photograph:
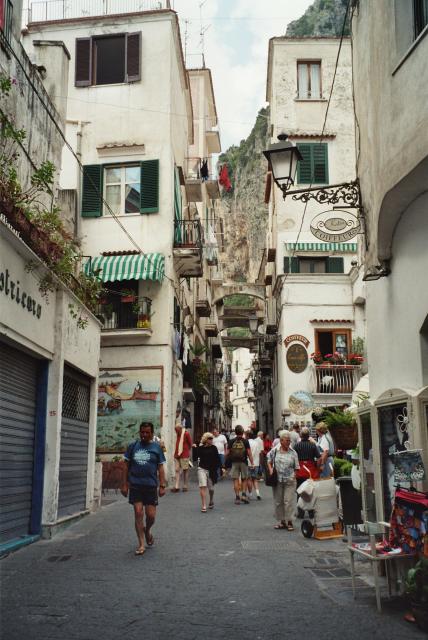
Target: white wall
point(397, 306)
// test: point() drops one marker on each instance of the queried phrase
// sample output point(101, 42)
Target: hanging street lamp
point(283, 157)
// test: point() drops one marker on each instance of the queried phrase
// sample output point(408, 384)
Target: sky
point(235, 45)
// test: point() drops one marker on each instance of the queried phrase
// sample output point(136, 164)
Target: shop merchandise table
point(370, 553)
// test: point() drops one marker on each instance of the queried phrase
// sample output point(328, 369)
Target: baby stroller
point(319, 499)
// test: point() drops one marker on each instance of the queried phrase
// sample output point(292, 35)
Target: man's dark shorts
point(146, 495)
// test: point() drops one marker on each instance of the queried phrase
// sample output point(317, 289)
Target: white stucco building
point(315, 300)
point(393, 173)
point(48, 364)
point(142, 203)
point(243, 411)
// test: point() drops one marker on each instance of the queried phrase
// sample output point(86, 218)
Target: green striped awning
point(146, 266)
point(344, 247)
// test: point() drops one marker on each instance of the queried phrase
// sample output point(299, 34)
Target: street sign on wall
point(335, 226)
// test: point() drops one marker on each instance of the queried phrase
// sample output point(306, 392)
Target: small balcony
point(203, 308)
point(336, 379)
point(188, 248)
point(211, 330)
point(42, 11)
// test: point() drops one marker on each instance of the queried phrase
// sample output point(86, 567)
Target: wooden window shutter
point(177, 196)
point(83, 66)
point(291, 265)
point(92, 190)
point(304, 173)
point(320, 166)
point(149, 202)
point(335, 265)
point(133, 57)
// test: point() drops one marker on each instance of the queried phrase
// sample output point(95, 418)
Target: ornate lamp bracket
point(345, 192)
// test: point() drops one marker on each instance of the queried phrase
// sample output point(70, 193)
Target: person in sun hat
point(209, 464)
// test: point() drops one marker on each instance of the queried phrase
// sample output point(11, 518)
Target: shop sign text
point(12, 289)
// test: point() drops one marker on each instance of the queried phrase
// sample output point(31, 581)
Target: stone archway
point(232, 288)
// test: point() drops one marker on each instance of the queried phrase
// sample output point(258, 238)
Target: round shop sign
point(335, 226)
point(297, 358)
point(301, 403)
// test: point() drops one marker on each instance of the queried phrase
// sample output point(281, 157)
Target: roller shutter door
point(73, 466)
point(18, 386)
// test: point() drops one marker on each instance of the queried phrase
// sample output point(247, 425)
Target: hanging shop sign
point(335, 226)
point(297, 358)
point(301, 403)
point(296, 337)
point(12, 289)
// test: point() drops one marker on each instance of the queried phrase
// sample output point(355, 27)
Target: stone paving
point(222, 574)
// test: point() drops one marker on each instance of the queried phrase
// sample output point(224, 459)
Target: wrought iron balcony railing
point(187, 234)
point(339, 378)
point(122, 316)
point(42, 11)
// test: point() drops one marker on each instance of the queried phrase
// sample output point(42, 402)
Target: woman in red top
point(267, 443)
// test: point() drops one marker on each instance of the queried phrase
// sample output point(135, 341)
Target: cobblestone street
point(223, 574)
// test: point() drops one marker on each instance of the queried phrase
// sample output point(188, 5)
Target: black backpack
point(238, 452)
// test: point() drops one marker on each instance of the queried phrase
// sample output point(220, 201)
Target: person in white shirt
point(256, 445)
point(220, 441)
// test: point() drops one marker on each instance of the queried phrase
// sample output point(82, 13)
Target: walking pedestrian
point(183, 447)
point(209, 464)
point(239, 454)
point(326, 446)
point(256, 445)
point(308, 454)
point(220, 441)
point(144, 472)
point(286, 462)
point(267, 443)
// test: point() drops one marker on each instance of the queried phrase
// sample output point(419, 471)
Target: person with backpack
point(239, 454)
point(143, 474)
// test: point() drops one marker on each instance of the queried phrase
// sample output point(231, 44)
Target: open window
point(108, 59)
point(329, 341)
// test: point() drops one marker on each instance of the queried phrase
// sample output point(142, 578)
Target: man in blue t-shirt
point(145, 464)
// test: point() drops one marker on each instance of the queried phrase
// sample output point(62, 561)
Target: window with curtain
point(309, 80)
point(122, 189)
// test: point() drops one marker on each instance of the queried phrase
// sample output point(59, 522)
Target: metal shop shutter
point(18, 384)
point(73, 464)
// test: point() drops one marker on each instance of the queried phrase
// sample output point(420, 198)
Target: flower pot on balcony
point(128, 298)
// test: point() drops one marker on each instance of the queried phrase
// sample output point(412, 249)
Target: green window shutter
point(335, 265)
point(295, 265)
point(304, 171)
point(92, 191)
point(291, 265)
point(320, 163)
point(149, 202)
point(177, 196)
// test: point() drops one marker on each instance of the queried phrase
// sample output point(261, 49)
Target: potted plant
point(354, 358)
point(416, 590)
point(317, 357)
point(128, 295)
point(342, 427)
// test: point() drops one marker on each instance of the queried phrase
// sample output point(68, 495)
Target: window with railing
point(187, 233)
point(120, 307)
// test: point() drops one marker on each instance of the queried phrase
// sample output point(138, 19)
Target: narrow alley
point(223, 574)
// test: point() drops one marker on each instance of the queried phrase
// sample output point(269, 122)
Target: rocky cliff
point(322, 18)
point(243, 209)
